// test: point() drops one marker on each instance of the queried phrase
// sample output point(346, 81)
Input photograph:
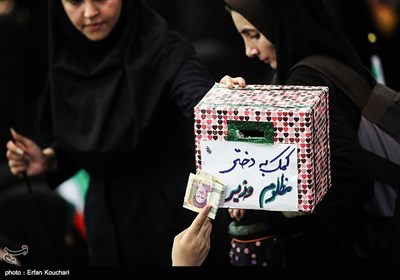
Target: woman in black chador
point(280, 33)
point(121, 92)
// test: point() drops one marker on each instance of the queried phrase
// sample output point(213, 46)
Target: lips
point(266, 61)
point(93, 26)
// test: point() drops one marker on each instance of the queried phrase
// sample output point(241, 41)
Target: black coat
point(122, 109)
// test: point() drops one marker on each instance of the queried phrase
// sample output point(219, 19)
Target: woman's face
point(93, 18)
point(256, 44)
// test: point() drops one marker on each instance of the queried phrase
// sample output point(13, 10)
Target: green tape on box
point(252, 132)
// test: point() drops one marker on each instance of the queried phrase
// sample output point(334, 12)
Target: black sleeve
point(191, 83)
point(66, 168)
point(351, 185)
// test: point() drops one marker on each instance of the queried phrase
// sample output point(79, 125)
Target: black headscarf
point(297, 29)
point(103, 94)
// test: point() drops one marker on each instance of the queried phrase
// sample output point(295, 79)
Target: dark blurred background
point(205, 23)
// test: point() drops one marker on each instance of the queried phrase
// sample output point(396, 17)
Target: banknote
point(202, 189)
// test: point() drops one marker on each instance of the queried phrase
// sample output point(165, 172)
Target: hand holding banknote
point(203, 189)
point(192, 245)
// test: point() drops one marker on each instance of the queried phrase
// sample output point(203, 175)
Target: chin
point(95, 37)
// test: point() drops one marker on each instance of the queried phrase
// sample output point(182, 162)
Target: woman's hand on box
point(230, 82)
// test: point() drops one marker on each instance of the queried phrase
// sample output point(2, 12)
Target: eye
point(251, 34)
point(255, 36)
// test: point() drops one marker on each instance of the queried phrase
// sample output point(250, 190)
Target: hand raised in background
point(25, 156)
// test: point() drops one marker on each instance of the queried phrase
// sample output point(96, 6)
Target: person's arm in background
point(26, 156)
point(189, 86)
point(192, 245)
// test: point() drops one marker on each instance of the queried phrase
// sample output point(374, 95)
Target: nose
point(251, 51)
point(90, 9)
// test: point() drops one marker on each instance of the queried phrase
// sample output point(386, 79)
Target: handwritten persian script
point(257, 176)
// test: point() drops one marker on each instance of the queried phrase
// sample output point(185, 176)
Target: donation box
point(269, 144)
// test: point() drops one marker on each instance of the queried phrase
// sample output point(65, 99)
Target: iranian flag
point(74, 191)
